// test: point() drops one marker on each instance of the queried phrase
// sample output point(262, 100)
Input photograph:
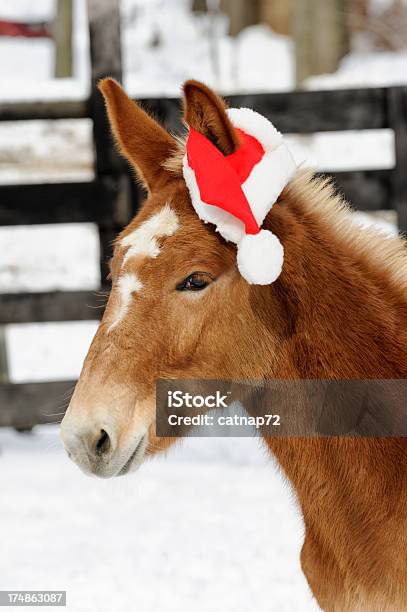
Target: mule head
point(178, 307)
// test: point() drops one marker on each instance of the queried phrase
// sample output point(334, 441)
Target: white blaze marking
point(126, 286)
point(143, 240)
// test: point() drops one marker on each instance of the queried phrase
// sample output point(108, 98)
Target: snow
point(378, 6)
point(201, 50)
point(365, 69)
point(157, 63)
point(32, 80)
point(40, 10)
point(46, 151)
point(49, 257)
point(341, 151)
point(213, 525)
point(150, 47)
point(255, 46)
point(62, 347)
point(190, 532)
point(16, 50)
point(230, 65)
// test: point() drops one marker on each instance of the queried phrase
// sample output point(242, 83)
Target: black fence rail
point(112, 198)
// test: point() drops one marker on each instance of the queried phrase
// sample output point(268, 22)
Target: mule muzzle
point(97, 451)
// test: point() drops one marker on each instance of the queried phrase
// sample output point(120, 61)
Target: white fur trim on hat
point(267, 180)
point(256, 125)
point(277, 167)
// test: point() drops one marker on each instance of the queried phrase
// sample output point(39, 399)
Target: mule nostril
point(103, 444)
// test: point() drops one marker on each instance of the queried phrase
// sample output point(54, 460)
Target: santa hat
point(235, 192)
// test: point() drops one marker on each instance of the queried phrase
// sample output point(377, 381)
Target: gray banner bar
point(32, 598)
point(304, 408)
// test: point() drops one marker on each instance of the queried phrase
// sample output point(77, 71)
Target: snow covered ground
point(212, 527)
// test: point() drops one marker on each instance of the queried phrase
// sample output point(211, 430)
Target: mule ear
point(205, 112)
point(144, 143)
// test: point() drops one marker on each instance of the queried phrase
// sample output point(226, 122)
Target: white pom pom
point(260, 258)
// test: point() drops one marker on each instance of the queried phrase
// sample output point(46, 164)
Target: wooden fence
point(112, 198)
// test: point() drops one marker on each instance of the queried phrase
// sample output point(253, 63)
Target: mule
point(178, 308)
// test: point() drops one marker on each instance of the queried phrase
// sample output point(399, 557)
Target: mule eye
point(195, 282)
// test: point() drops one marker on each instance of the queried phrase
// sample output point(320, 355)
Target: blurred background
point(213, 525)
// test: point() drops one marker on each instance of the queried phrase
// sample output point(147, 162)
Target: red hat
point(235, 192)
